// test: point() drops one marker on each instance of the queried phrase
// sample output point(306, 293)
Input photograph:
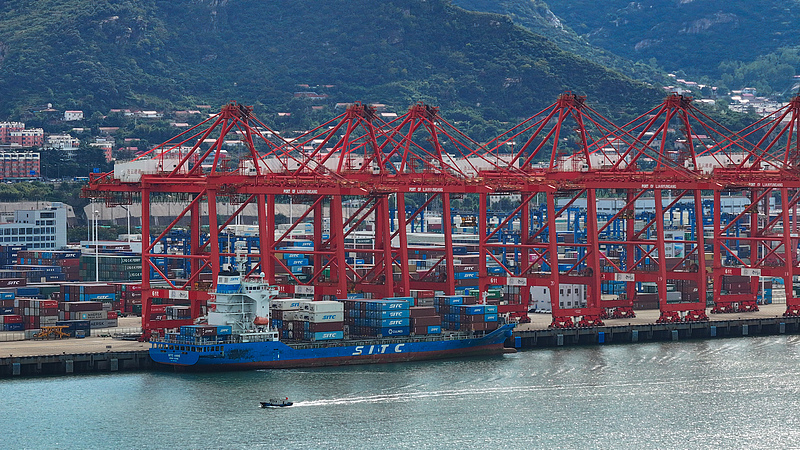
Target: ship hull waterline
point(277, 355)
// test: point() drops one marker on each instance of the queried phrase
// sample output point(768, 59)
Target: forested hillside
point(479, 68)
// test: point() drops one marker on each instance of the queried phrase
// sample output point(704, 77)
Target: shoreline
point(105, 354)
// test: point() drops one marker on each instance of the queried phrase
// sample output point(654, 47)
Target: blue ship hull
point(277, 355)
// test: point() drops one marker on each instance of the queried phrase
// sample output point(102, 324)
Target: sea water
point(732, 393)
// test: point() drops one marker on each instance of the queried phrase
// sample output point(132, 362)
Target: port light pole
point(96, 214)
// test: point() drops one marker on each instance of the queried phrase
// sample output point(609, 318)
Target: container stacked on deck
point(10, 317)
point(471, 318)
point(67, 260)
point(424, 320)
point(190, 333)
point(282, 313)
point(379, 318)
point(93, 311)
point(319, 321)
point(423, 297)
point(112, 267)
point(462, 313)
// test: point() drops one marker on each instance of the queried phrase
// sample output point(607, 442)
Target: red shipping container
point(426, 321)
point(479, 326)
point(422, 311)
point(13, 282)
point(326, 326)
point(477, 318)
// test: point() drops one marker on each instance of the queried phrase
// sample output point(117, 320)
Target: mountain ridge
point(477, 67)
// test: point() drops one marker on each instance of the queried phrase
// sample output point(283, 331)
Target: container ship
point(249, 327)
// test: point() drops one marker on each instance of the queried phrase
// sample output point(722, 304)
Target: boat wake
point(569, 389)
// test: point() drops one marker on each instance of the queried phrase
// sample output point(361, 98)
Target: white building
point(37, 229)
point(64, 143)
point(70, 116)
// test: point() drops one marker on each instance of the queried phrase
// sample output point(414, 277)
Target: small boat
point(277, 403)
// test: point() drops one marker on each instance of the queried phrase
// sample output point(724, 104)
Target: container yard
point(698, 225)
point(700, 220)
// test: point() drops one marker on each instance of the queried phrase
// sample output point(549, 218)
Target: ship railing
point(174, 338)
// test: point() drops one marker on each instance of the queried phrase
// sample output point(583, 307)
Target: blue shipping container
point(490, 318)
point(435, 329)
point(389, 323)
point(389, 314)
point(326, 335)
point(473, 310)
point(393, 331)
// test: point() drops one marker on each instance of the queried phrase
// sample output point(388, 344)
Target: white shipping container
point(324, 306)
point(324, 317)
point(48, 320)
point(289, 316)
point(286, 304)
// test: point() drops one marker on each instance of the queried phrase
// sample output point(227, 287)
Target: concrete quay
point(93, 354)
point(106, 354)
point(768, 320)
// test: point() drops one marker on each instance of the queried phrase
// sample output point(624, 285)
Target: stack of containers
point(474, 317)
point(47, 291)
point(159, 312)
point(37, 313)
point(279, 310)
point(424, 320)
point(89, 311)
point(28, 292)
point(423, 297)
point(190, 333)
point(10, 319)
point(447, 307)
point(33, 274)
point(178, 312)
point(129, 297)
point(8, 254)
point(67, 260)
point(320, 321)
point(379, 318)
point(81, 292)
point(112, 267)
point(298, 263)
